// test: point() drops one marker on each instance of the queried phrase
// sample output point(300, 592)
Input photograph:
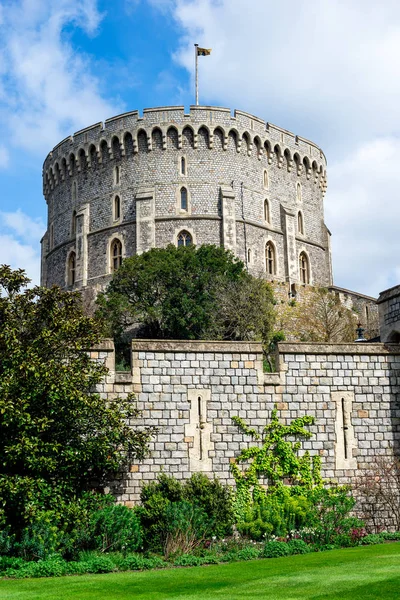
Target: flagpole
point(196, 73)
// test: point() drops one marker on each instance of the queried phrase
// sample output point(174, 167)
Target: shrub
point(214, 498)
point(372, 538)
point(137, 562)
point(275, 513)
point(186, 527)
point(249, 553)
point(388, 535)
point(209, 496)
point(6, 541)
point(99, 564)
point(275, 549)
point(188, 560)
point(114, 528)
point(298, 547)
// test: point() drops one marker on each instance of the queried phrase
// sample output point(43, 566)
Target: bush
point(95, 563)
point(186, 527)
point(275, 549)
point(275, 513)
point(188, 560)
point(298, 547)
point(390, 535)
point(209, 496)
point(115, 528)
point(137, 562)
point(372, 538)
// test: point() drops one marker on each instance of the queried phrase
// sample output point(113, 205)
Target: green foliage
point(390, 535)
point(275, 461)
point(276, 513)
point(187, 293)
point(115, 528)
point(57, 437)
point(186, 527)
point(374, 538)
point(298, 547)
point(137, 562)
point(329, 519)
point(209, 495)
point(275, 550)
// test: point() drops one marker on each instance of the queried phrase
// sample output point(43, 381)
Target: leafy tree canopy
point(188, 293)
point(57, 437)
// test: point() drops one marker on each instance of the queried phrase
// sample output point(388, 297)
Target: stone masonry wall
point(389, 314)
point(233, 164)
point(190, 391)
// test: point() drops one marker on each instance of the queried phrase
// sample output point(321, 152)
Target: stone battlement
point(191, 390)
point(266, 136)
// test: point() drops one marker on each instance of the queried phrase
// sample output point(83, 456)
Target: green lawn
point(372, 572)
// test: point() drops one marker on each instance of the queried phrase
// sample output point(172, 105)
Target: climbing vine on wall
point(274, 463)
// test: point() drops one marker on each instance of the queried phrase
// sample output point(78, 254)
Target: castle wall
point(191, 390)
point(239, 157)
point(389, 314)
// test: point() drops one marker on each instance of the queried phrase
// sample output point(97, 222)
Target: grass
point(355, 573)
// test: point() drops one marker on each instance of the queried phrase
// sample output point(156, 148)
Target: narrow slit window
point(267, 216)
point(184, 199)
point(300, 223)
point(183, 165)
point(265, 179)
point(117, 208)
point(249, 255)
point(345, 429)
point(117, 175)
point(73, 223)
point(201, 426)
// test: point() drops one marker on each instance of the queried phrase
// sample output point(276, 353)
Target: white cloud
point(28, 229)
point(326, 64)
point(363, 211)
point(48, 89)
point(325, 70)
point(19, 242)
point(4, 157)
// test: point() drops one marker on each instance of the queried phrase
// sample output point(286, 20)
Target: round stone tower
point(207, 177)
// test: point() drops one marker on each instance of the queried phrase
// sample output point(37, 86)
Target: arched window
point(249, 255)
point(270, 263)
point(73, 223)
point(265, 179)
point(183, 165)
point(300, 223)
point(71, 269)
point(184, 199)
point(184, 239)
point(117, 175)
point(267, 216)
point(304, 268)
point(117, 208)
point(116, 255)
point(298, 192)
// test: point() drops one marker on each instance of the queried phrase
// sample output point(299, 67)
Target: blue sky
point(326, 70)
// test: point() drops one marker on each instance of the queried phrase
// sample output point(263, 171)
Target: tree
point(187, 293)
point(317, 316)
point(58, 438)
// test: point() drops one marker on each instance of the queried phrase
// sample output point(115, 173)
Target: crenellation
point(236, 385)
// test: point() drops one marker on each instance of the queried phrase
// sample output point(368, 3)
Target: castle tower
point(207, 177)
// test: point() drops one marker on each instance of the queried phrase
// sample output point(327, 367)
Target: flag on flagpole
point(203, 51)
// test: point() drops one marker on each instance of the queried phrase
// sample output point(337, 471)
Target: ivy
point(274, 463)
